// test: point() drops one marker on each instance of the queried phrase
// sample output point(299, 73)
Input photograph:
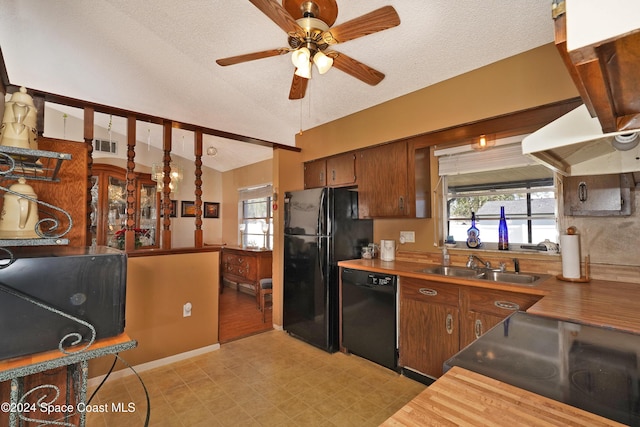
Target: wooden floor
point(240, 316)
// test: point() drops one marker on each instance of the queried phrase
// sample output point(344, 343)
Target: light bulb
point(323, 62)
point(300, 57)
point(483, 141)
point(304, 71)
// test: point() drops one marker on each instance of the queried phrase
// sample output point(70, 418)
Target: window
point(256, 217)
point(529, 207)
point(481, 182)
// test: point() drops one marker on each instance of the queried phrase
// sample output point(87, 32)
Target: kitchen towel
point(570, 246)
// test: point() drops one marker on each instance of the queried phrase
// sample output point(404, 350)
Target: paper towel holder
point(581, 279)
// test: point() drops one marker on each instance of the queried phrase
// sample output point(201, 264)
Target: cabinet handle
point(333, 175)
point(507, 305)
point(582, 191)
point(428, 292)
point(321, 176)
point(449, 324)
point(401, 203)
point(478, 328)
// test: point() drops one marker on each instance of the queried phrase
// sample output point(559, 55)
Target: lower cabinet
point(438, 319)
point(429, 325)
point(485, 308)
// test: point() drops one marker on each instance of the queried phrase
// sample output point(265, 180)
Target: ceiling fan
point(308, 25)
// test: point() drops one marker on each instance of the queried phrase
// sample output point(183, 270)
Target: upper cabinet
point(109, 208)
point(394, 180)
point(604, 62)
point(341, 170)
point(334, 171)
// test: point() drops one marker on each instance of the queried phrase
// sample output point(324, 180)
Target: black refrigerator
point(321, 228)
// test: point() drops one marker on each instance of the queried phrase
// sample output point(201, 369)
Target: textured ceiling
point(158, 57)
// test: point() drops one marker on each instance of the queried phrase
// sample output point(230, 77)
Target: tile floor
point(269, 379)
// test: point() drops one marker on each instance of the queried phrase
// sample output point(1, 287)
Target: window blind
point(257, 192)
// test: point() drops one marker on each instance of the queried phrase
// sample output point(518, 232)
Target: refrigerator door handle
point(323, 226)
point(322, 258)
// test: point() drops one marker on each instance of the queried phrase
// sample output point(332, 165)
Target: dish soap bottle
point(503, 232)
point(473, 239)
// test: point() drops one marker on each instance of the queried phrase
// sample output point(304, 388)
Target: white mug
point(387, 250)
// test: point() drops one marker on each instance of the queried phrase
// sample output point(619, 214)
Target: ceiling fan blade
point(356, 68)
point(298, 87)
point(381, 19)
point(251, 56)
point(279, 15)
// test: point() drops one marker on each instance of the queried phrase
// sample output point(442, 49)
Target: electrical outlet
point(186, 310)
point(408, 236)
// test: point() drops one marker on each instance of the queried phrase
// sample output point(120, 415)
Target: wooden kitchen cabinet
point(108, 206)
point(394, 180)
point(438, 319)
point(315, 173)
point(382, 181)
point(341, 170)
point(606, 75)
point(429, 326)
point(484, 308)
point(334, 171)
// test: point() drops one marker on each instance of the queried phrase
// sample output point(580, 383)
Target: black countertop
point(592, 368)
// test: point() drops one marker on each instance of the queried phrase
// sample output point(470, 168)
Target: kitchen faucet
point(472, 264)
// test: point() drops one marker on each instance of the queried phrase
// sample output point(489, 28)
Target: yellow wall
point(527, 80)
point(288, 175)
point(252, 175)
point(530, 79)
point(157, 288)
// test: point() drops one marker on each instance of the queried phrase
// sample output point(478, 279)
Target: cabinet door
point(116, 210)
point(147, 218)
point(341, 170)
point(382, 181)
point(476, 324)
point(428, 335)
point(485, 308)
point(315, 174)
point(429, 324)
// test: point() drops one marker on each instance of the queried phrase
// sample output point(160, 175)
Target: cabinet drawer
point(499, 303)
point(427, 291)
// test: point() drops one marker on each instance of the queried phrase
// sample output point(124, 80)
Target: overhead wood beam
point(101, 108)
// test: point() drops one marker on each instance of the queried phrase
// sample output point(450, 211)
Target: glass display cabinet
point(109, 208)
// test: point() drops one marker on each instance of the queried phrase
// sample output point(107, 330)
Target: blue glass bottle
point(473, 239)
point(503, 232)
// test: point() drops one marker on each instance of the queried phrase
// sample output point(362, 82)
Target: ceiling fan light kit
point(308, 25)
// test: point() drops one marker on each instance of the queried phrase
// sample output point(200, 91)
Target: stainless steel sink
point(525, 279)
point(516, 278)
point(452, 271)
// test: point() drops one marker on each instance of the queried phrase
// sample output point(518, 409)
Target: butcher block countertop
point(462, 397)
point(599, 302)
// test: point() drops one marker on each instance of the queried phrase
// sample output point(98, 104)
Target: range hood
point(575, 145)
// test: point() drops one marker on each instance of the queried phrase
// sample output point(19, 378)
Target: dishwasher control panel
point(380, 279)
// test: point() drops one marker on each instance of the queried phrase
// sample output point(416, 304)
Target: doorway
point(239, 316)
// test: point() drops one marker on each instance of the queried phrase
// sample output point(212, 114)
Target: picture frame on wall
point(174, 209)
point(211, 210)
point(188, 209)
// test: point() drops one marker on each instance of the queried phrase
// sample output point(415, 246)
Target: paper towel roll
point(570, 247)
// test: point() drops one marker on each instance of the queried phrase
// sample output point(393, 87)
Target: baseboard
point(418, 376)
point(154, 364)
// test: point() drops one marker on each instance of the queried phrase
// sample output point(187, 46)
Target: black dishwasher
point(369, 316)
